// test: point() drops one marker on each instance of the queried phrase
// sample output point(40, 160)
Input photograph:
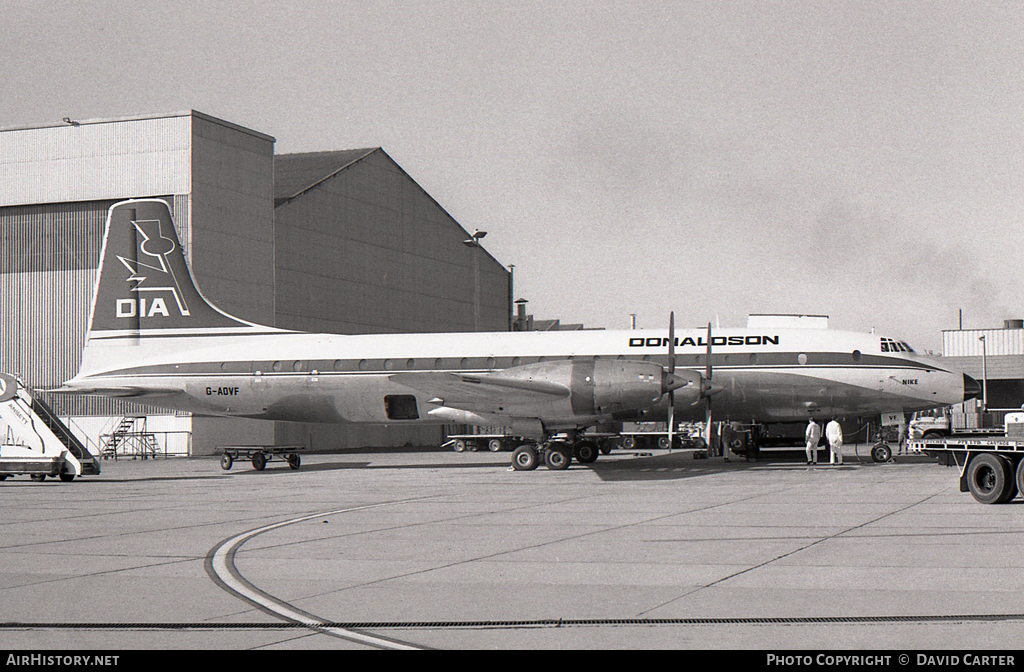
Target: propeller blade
point(671, 370)
point(672, 342)
point(708, 372)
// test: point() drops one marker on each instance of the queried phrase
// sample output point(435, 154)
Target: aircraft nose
point(972, 388)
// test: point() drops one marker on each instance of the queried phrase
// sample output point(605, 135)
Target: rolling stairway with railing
point(34, 441)
point(129, 439)
point(61, 431)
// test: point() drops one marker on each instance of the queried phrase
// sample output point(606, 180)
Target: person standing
point(834, 434)
point(812, 435)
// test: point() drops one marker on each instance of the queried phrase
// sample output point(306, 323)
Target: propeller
point(671, 371)
point(707, 391)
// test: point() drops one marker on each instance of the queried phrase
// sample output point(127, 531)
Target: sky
point(862, 160)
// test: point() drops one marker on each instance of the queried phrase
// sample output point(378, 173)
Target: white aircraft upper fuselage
point(154, 339)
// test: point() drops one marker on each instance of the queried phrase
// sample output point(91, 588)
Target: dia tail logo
point(145, 283)
point(150, 275)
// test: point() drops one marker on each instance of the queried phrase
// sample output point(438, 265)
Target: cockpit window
point(889, 345)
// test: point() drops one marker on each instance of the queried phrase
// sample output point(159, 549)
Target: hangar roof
point(296, 173)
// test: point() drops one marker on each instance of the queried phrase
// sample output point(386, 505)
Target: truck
point(991, 463)
point(941, 422)
point(34, 441)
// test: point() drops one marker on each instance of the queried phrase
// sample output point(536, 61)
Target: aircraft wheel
point(67, 477)
point(495, 445)
point(525, 458)
point(585, 452)
point(881, 453)
point(226, 461)
point(557, 457)
point(259, 461)
point(294, 461)
point(988, 479)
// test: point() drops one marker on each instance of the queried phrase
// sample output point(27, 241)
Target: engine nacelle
point(606, 387)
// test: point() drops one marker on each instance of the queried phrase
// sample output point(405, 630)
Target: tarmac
point(433, 549)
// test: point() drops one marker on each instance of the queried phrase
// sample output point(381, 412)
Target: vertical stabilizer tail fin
point(145, 286)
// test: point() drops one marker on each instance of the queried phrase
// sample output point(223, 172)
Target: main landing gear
point(556, 455)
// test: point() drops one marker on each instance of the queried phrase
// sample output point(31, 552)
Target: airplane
point(154, 339)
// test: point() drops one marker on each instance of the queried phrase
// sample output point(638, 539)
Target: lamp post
point(984, 374)
point(474, 242)
point(511, 283)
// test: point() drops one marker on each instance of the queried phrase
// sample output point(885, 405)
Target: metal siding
point(103, 160)
point(231, 237)
point(48, 262)
point(966, 343)
point(368, 251)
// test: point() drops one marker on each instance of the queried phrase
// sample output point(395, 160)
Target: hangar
point(994, 357)
point(334, 241)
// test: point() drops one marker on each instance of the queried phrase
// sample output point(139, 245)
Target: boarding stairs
point(34, 440)
point(130, 439)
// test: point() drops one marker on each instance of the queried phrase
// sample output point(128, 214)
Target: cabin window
point(856, 355)
point(802, 358)
point(401, 407)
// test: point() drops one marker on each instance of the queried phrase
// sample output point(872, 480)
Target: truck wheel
point(460, 445)
point(294, 460)
point(881, 453)
point(259, 461)
point(628, 442)
point(988, 479)
point(606, 447)
point(933, 434)
point(524, 458)
point(494, 445)
point(557, 457)
point(585, 452)
point(66, 477)
point(1020, 476)
point(226, 461)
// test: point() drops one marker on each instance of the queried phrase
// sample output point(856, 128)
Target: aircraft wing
point(482, 392)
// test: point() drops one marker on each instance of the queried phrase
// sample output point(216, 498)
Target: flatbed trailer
point(991, 468)
point(260, 455)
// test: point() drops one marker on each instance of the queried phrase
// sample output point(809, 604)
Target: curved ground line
point(220, 565)
point(539, 623)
